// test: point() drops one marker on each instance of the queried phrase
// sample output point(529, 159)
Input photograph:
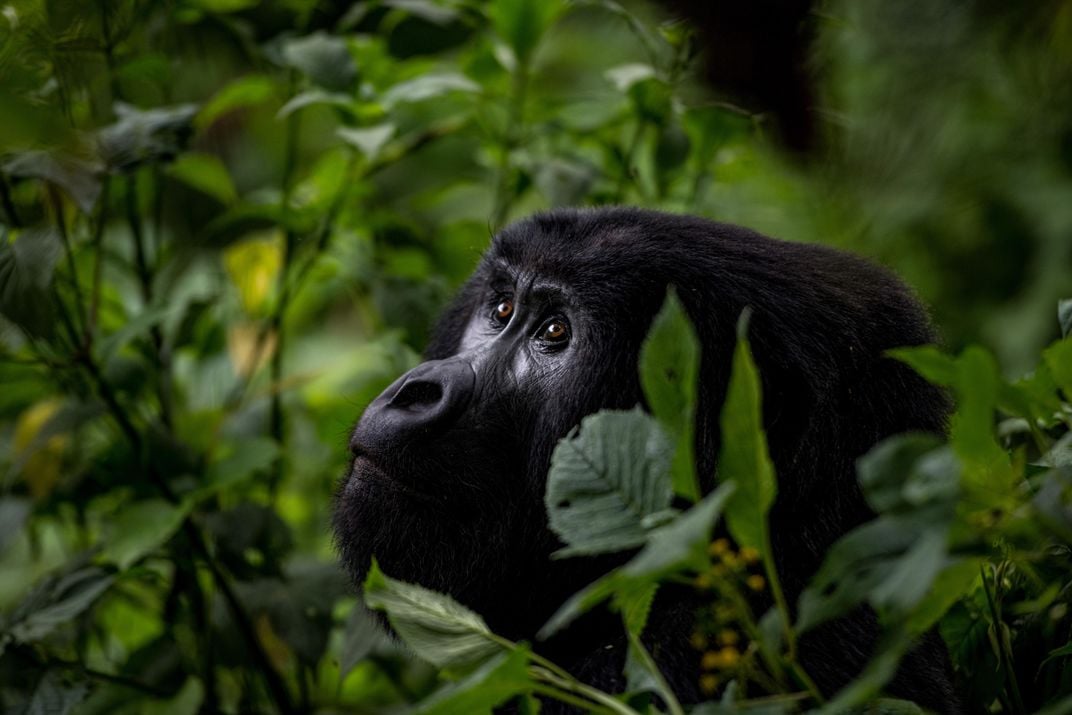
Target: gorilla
point(445, 487)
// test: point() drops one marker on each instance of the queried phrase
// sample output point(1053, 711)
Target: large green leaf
point(437, 628)
point(678, 546)
point(669, 370)
point(521, 23)
point(26, 268)
point(744, 459)
point(141, 528)
point(206, 173)
point(55, 695)
point(55, 601)
point(79, 178)
point(145, 136)
point(324, 58)
point(608, 482)
point(502, 677)
point(427, 87)
point(241, 93)
point(987, 473)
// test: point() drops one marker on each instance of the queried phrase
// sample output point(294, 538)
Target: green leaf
point(368, 140)
point(502, 677)
point(78, 178)
point(241, 461)
point(744, 459)
point(427, 87)
point(606, 480)
point(361, 635)
point(206, 173)
point(313, 98)
point(185, 702)
point(325, 59)
point(672, 548)
point(1058, 358)
point(26, 268)
point(930, 362)
point(1064, 316)
point(239, 94)
point(973, 376)
point(642, 674)
point(54, 696)
point(908, 470)
point(683, 542)
point(521, 23)
point(669, 374)
point(145, 136)
point(437, 628)
point(623, 77)
point(55, 601)
point(140, 528)
point(222, 7)
point(13, 514)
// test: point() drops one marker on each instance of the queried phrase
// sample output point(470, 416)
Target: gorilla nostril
point(416, 393)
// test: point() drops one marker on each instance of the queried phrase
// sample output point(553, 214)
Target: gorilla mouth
point(364, 472)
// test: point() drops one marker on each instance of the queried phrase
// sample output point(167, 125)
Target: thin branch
point(61, 225)
point(504, 194)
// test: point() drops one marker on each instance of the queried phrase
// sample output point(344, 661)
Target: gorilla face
point(446, 483)
point(445, 487)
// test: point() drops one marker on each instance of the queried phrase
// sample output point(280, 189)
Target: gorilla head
point(449, 464)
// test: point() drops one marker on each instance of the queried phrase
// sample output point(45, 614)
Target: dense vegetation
point(225, 225)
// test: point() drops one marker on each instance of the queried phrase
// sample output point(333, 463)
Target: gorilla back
point(449, 463)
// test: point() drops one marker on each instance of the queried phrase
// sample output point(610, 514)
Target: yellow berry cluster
point(715, 638)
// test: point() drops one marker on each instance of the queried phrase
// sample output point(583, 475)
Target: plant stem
point(787, 623)
point(572, 685)
point(652, 667)
point(627, 160)
point(504, 195)
point(1004, 653)
point(61, 226)
point(145, 279)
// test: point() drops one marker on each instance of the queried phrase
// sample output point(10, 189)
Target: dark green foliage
point(226, 225)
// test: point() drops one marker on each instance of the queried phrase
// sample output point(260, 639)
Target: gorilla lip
point(365, 470)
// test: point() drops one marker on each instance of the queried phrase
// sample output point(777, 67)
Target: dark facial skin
point(449, 465)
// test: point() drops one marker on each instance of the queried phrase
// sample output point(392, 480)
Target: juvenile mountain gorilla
point(450, 462)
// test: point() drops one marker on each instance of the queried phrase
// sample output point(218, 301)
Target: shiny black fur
point(462, 511)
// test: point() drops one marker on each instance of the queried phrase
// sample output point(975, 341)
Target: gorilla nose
point(426, 398)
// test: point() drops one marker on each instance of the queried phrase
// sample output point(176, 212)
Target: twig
point(61, 225)
point(504, 195)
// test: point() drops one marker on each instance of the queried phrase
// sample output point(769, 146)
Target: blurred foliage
point(225, 225)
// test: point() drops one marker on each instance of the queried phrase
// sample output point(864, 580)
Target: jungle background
point(226, 225)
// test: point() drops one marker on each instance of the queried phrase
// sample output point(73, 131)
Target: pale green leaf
point(503, 676)
point(437, 628)
point(206, 173)
point(669, 371)
point(605, 480)
point(139, 529)
point(744, 459)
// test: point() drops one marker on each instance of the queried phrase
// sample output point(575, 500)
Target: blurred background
point(225, 225)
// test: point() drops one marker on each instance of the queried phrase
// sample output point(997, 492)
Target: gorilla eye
point(555, 331)
point(503, 311)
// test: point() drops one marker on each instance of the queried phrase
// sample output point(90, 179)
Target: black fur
point(462, 510)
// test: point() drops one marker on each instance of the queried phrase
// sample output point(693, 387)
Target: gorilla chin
point(446, 483)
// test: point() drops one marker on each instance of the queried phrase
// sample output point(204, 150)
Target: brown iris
point(556, 330)
point(504, 310)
